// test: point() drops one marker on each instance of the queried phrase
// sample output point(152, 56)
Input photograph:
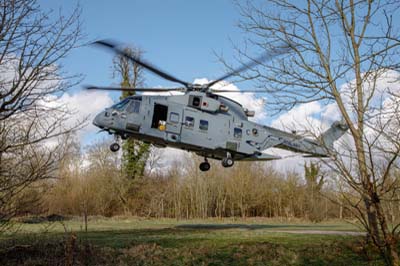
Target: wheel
point(205, 166)
point(227, 162)
point(114, 147)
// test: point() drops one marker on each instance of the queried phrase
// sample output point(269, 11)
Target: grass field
point(131, 241)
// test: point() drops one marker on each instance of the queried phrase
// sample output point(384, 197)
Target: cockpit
point(130, 105)
point(119, 112)
point(121, 105)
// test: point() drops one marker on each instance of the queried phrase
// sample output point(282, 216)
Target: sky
point(179, 36)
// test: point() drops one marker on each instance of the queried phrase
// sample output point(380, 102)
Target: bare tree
point(333, 43)
point(32, 121)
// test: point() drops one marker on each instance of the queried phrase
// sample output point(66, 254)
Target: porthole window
point(196, 101)
point(203, 125)
point(189, 121)
point(254, 131)
point(174, 117)
point(237, 132)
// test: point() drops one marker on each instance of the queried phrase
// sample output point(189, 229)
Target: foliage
point(314, 182)
point(247, 190)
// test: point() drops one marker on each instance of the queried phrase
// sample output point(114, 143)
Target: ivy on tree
point(134, 152)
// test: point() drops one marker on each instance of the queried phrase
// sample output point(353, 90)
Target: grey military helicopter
point(202, 121)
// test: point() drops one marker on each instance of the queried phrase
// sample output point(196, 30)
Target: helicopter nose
point(98, 121)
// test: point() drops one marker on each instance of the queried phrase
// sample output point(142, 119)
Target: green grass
point(194, 242)
point(101, 224)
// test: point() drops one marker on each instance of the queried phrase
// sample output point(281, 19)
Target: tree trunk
point(390, 251)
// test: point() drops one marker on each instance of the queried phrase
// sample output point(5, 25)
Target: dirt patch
point(298, 229)
point(322, 232)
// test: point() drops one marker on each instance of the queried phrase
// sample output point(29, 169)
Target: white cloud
point(301, 118)
point(85, 105)
point(54, 109)
point(384, 107)
point(82, 106)
point(167, 93)
point(161, 160)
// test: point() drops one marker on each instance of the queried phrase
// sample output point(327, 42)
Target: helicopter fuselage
point(202, 121)
point(208, 124)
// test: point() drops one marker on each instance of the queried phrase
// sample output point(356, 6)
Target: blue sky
point(178, 36)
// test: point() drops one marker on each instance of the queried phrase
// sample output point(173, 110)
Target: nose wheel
point(115, 146)
point(205, 166)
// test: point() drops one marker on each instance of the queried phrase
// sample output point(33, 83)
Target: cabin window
point(133, 107)
point(174, 117)
point(189, 121)
point(237, 132)
point(203, 125)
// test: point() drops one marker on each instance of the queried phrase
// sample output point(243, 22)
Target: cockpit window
point(133, 107)
point(120, 105)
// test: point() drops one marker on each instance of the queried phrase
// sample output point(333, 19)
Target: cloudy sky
point(181, 37)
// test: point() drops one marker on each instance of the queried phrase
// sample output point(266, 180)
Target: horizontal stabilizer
point(314, 156)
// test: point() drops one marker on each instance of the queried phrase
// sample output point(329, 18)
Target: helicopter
point(202, 121)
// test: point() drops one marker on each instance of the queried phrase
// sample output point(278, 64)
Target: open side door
point(159, 115)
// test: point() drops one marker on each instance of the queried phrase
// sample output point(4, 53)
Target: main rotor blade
point(246, 91)
point(257, 61)
point(134, 89)
point(141, 62)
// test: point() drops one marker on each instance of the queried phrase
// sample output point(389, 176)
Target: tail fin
point(337, 130)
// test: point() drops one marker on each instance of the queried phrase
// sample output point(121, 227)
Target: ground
point(134, 241)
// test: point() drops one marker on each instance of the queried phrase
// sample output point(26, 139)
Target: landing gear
point(227, 161)
point(205, 166)
point(114, 147)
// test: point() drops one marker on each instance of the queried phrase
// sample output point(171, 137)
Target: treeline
point(95, 184)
